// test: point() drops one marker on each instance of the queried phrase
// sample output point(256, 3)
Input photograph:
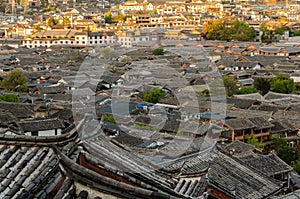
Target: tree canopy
point(282, 84)
point(262, 85)
point(288, 154)
point(15, 81)
point(108, 17)
point(106, 53)
point(253, 140)
point(226, 29)
point(246, 90)
point(158, 51)
point(9, 97)
point(52, 21)
point(230, 85)
point(154, 95)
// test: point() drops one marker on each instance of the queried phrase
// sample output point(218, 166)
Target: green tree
point(109, 118)
point(253, 140)
point(246, 90)
point(282, 84)
point(15, 81)
point(262, 85)
point(242, 32)
point(153, 12)
point(106, 53)
point(226, 29)
point(281, 30)
point(154, 95)
point(268, 36)
point(158, 51)
point(10, 97)
point(230, 85)
point(296, 166)
point(296, 32)
point(205, 93)
point(108, 17)
point(44, 3)
point(288, 154)
point(218, 30)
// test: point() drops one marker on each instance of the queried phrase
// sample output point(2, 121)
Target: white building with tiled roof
point(101, 38)
point(129, 38)
point(61, 37)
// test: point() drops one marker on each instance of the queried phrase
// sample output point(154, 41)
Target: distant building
point(101, 38)
point(129, 38)
point(61, 37)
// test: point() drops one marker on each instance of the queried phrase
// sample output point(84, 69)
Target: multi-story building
point(101, 38)
point(133, 5)
point(61, 37)
point(129, 38)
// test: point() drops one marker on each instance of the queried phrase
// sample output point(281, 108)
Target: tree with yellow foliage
point(228, 29)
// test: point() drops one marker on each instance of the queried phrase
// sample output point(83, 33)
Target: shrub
point(158, 51)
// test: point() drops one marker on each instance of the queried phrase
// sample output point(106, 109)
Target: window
point(34, 133)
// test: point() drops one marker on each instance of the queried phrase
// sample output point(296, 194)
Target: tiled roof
point(239, 148)
point(24, 170)
point(224, 173)
point(282, 126)
point(240, 102)
point(56, 32)
point(40, 125)
point(260, 123)
point(269, 165)
point(19, 110)
point(239, 124)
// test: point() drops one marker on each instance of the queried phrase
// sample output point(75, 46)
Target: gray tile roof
point(25, 170)
point(40, 125)
point(239, 148)
point(269, 165)
point(239, 124)
point(19, 110)
point(224, 173)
